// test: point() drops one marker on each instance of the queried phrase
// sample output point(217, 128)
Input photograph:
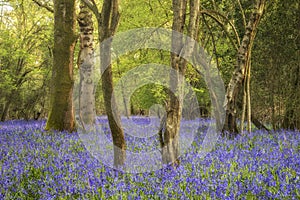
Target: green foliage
point(148, 95)
point(26, 39)
point(276, 64)
point(25, 58)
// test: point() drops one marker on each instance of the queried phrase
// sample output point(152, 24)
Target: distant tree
point(25, 37)
point(291, 118)
point(61, 115)
point(276, 65)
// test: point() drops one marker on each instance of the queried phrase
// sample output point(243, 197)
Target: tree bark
point(107, 28)
point(112, 112)
point(169, 136)
point(87, 86)
point(238, 76)
point(61, 115)
point(108, 21)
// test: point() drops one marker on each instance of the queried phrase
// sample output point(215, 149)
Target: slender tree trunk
point(108, 21)
point(170, 141)
point(249, 95)
point(244, 104)
point(238, 76)
point(61, 114)
point(107, 27)
point(112, 112)
point(169, 137)
point(246, 95)
point(87, 86)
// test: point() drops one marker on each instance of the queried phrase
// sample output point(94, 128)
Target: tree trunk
point(238, 76)
point(107, 27)
point(61, 115)
point(87, 86)
point(249, 111)
point(108, 21)
point(109, 101)
point(244, 104)
point(246, 94)
point(169, 139)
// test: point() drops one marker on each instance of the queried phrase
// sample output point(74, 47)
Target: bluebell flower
point(68, 169)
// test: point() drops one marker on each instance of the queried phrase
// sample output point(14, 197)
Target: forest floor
point(35, 164)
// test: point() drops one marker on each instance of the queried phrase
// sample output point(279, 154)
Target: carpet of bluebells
point(35, 164)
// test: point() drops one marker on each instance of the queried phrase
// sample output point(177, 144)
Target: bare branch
point(43, 5)
point(243, 13)
point(227, 20)
point(211, 15)
point(106, 17)
point(115, 17)
point(213, 41)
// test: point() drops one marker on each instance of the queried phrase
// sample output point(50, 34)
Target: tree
point(169, 137)
point(108, 21)
point(86, 64)
point(61, 116)
point(276, 63)
point(225, 30)
point(243, 61)
point(24, 60)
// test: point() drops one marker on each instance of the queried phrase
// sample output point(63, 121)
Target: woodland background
point(26, 56)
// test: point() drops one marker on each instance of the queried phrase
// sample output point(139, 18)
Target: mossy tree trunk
point(61, 114)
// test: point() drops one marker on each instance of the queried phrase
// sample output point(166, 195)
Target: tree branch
point(49, 8)
point(115, 17)
point(211, 15)
point(243, 13)
point(213, 41)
